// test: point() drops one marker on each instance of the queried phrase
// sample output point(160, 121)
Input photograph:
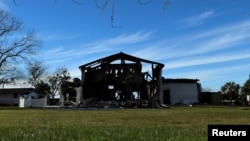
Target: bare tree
point(36, 71)
point(10, 77)
point(61, 74)
point(15, 45)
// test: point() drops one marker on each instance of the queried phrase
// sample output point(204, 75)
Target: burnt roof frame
point(153, 95)
point(122, 56)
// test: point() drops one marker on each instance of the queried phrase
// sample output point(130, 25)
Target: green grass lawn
point(173, 124)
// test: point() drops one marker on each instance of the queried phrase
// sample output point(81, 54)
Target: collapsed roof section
point(119, 77)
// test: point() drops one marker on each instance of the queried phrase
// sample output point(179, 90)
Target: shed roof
point(119, 56)
point(179, 80)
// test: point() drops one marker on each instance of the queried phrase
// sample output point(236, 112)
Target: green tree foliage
point(43, 89)
point(230, 91)
point(245, 90)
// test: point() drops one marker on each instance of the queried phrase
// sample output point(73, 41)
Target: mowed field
point(172, 124)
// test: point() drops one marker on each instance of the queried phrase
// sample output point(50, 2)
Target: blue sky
point(204, 39)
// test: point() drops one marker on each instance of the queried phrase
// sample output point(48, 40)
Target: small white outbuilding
point(181, 91)
point(10, 96)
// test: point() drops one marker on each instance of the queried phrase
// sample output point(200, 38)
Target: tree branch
point(103, 6)
point(166, 3)
point(19, 48)
point(112, 16)
point(142, 3)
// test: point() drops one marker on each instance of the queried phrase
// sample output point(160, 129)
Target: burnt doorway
point(166, 97)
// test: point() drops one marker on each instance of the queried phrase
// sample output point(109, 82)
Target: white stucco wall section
point(182, 93)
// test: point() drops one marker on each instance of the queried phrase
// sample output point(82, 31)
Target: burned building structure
point(120, 78)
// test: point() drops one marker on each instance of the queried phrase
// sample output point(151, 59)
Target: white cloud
point(4, 6)
point(210, 46)
point(215, 77)
point(238, 27)
point(205, 47)
point(116, 43)
point(64, 54)
point(46, 36)
point(156, 51)
point(198, 19)
point(208, 59)
point(139, 36)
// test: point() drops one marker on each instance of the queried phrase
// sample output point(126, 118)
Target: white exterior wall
point(183, 93)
